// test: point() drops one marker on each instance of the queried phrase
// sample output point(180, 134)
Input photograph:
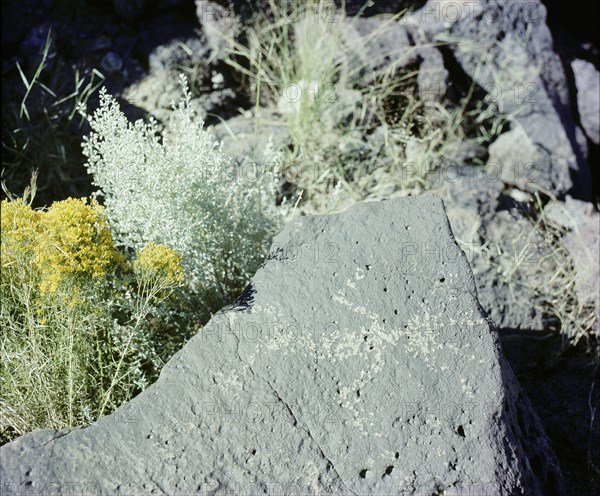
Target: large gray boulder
point(358, 361)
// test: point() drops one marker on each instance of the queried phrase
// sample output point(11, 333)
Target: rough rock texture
point(243, 140)
point(381, 44)
point(515, 263)
point(156, 92)
point(510, 258)
point(485, 211)
point(518, 161)
point(587, 80)
point(491, 229)
point(358, 361)
point(507, 49)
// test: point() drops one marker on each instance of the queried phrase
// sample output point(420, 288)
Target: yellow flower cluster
point(159, 263)
point(76, 241)
point(70, 239)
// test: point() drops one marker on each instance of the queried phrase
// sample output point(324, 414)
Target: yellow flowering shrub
point(160, 264)
point(77, 339)
point(75, 241)
point(70, 238)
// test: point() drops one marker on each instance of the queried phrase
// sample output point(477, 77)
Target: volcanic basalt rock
point(358, 361)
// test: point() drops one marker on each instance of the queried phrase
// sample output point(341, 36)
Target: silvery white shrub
point(175, 186)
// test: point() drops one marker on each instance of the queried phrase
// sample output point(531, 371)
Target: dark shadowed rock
point(358, 361)
point(371, 7)
point(375, 45)
point(130, 9)
point(159, 88)
point(507, 49)
point(246, 9)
